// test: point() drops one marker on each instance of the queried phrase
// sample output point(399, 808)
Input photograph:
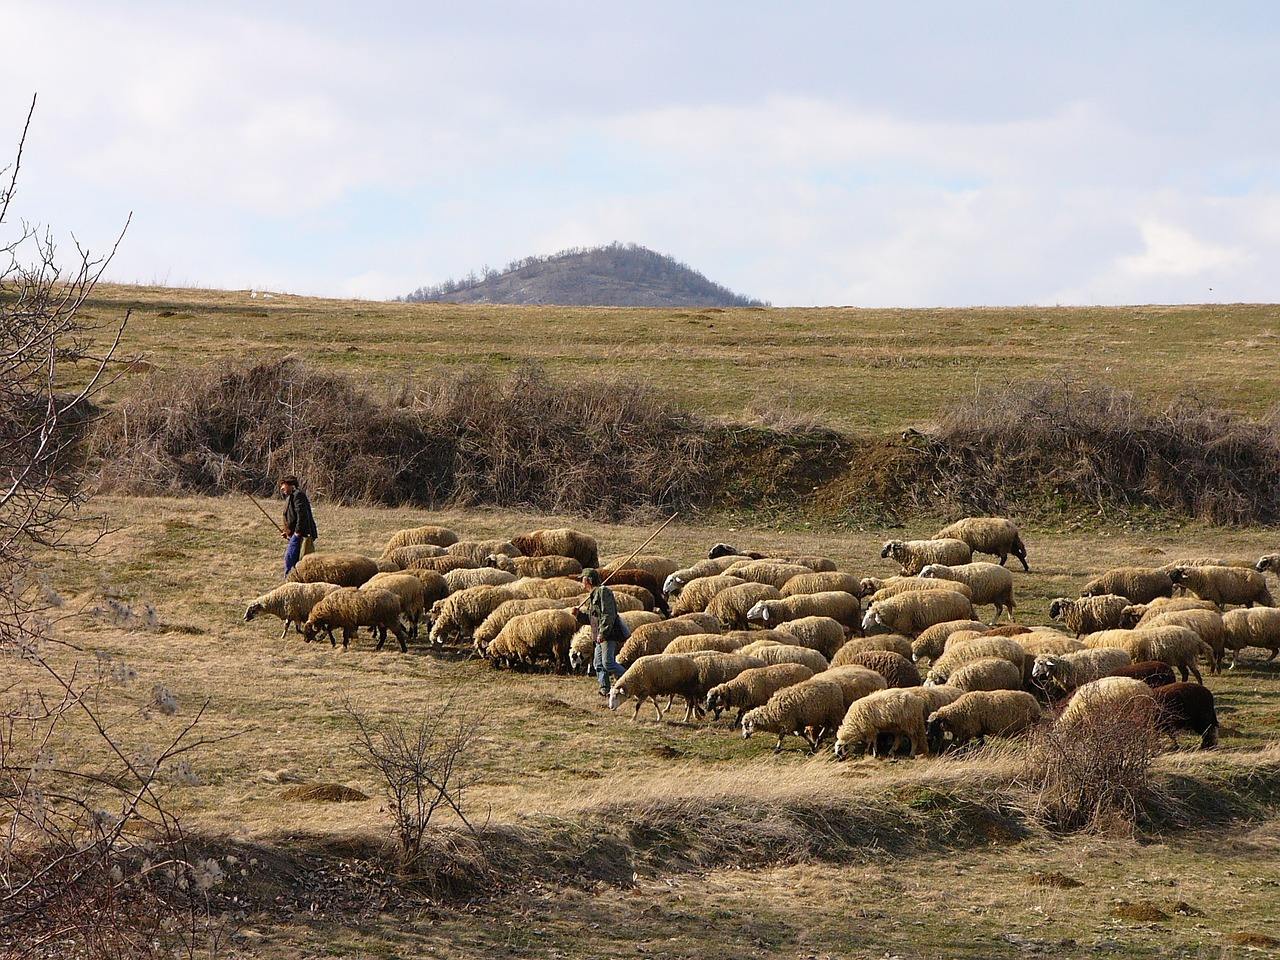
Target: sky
point(877, 154)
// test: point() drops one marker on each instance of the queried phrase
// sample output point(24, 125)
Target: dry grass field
point(599, 837)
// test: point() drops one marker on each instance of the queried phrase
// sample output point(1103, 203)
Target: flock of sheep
point(798, 647)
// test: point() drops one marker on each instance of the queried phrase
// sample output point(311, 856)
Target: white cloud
point(1173, 251)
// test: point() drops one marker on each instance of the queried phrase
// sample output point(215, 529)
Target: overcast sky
point(806, 153)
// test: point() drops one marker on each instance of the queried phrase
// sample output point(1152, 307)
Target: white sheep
point(467, 577)
point(854, 680)
point(556, 588)
point(914, 555)
point(402, 557)
point(714, 668)
point(1045, 642)
point(1059, 674)
point(895, 711)
point(1225, 585)
point(560, 542)
point(655, 676)
point(1139, 584)
point(880, 641)
point(543, 567)
point(932, 641)
point(730, 606)
point(434, 586)
point(675, 583)
point(504, 613)
point(787, 653)
point(458, 614)
point(836, 604)
point(821, 633)
point(1207, 623)
point(753, 688)
point(979, 714)
point(989, 583)
point(694, 642)
point(697, 594)
point(582, 646)
point(352, 608)
point(912, 613)
point(1135, 614)
point(344, 569)
point(1110, 698)
point(996, 536)
point(896, 669)
point(891, 588)
point(430, 535)
point(652, 638)
point(529, 637)
point(1251, 627)
point(1177, 646)
point(821, 582)
point(1004, 647)
point(475, 551)
point(408, 588)
point(987, 673)
point(772, 572)
point(811, 709)
point(1089, 614)
point(291, 602)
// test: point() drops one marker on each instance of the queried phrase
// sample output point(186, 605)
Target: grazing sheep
point(625, 578)
point(894, 642)
point(893, 588)
point(1110, 697)
point(557, 588)
point(458, 614)
point(1139, 584)
point(477, 576)
point(504, 613)
point(428, 535)
point(582, 647)
point(995, 536)
point(896, 669)
point(1004, 647)
point(814, 563)
point(855, 681)
point(1089, 614)
point(787, 653)
point(344, 569)
point(675, 583)
point(1206, 562)
point(642, 596)
point(1059, 675)
point(811, 709)
point(914, 555)
point(1207, 623)
point(1225, 585)
point(731, 605)
point(914, 612)
point(1039, 643)
point(893, 711)
point(822, 582)
point(979, 714)
point(1251, 627)
point(401, 557)
point(1136, 614)
point(821, 633)
point(653, 638)
point(694, 642)
point(753, 688)
point(1154, 673)
point(442, 565)
point(352, 608)
point(715, 668)
point(291, 602)
point(987, 673)
point(410, 591)
point(698, 594)
point(1180, 647)
point(539, 635)
point(836, 604)
point(655, 676)
point(1270, 561)
point(477, 550)
point(1187, 706)
point(434, 585)
point(988, 582)
point(772, 572)
point(548, 566)
point(932, 641)
point(558, 542)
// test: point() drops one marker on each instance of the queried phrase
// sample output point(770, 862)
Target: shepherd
point(299, 525)
point(600, 609)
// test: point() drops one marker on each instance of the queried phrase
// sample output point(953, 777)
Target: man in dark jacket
point(299, 524)
point(607, 630)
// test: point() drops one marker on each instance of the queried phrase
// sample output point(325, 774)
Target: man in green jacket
point(607, 630)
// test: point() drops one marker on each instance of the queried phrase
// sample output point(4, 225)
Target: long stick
point(623, 564)
point(264, 513)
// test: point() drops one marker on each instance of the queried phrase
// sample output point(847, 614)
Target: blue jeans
point(292, 553)
point(604, 663)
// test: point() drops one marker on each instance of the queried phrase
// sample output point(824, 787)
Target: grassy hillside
point(851, 369)
point(596, 836)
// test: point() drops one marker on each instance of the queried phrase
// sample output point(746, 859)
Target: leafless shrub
point(1094, 776)
point(424, 765)
point(1093, 445)
point(594, 448)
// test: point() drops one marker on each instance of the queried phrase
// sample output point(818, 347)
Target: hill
point(618, 275)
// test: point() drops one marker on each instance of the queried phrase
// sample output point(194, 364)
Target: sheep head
point(253, 611)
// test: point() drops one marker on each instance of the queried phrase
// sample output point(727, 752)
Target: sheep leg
point(285, 631)
point(400, 638)
point(777, 747)
point(348, 634)
point(1268, 660)
point(1195, 671)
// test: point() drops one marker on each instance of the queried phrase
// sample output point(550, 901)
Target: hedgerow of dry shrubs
point(595, 449)
point(1095, 446)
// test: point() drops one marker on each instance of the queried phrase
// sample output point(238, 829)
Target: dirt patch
point(1253, 940)
point(1053, 879)
point(323, 793)
point(1145, 912)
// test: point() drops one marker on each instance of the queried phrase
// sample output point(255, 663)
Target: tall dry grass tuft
point(1092, 445)
point(594, 449)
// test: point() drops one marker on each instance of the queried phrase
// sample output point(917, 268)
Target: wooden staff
point(623, 564)
point(264, 513)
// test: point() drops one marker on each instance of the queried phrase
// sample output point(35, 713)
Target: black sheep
point(1187, 706)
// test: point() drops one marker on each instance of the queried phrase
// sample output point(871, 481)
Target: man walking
point(607, 630)
point(299, 524)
